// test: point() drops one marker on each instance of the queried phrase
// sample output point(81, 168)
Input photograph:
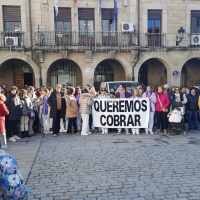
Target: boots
point(27, 134)
point(23, 134)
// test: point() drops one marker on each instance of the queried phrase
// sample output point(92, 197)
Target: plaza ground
point(112, 166)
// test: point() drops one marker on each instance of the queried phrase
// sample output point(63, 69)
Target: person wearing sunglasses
point(103, 95)
point(179, 96)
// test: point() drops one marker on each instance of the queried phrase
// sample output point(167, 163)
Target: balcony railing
point(156, 40)
point(11, 39)
point(82, 40)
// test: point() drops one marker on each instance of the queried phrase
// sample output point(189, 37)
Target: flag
point(56, 7)
point(99, 7)
point(75, 1)
point(115, 8)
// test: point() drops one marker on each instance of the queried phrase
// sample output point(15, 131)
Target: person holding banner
point(103, 95)
point(152, 98)
point(122, 94)
point(161, 109)
point(85, 102)
point(135, 95)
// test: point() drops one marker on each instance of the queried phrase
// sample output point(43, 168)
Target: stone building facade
point(45, 43)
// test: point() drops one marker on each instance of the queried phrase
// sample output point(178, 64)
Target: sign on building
point(63, 77)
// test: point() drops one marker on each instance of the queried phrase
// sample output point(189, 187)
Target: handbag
point(30, 113)
point(163, 109)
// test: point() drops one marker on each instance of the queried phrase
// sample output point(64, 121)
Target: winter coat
point(164, 101)
point(179, 98)
point(52, 101)
point(14, 106)
point(117, 95)
point(192, 104)
point(3, 111)
point(72, 107)
point(26, 106)
point(104, 96)
point(153, 100)
point(85, 102)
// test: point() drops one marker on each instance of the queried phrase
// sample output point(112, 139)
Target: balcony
point(16, 40)
point(85, 40)
point(156, 40)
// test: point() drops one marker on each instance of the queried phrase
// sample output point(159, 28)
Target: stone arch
point(61, 60)
point(25, 58)
point(158, 57)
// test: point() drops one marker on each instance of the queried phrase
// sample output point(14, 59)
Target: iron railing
point(85, 39)
point(13, 39)
point(155, 40)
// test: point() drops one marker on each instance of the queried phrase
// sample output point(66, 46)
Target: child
point(135, 95)
point(112, 95)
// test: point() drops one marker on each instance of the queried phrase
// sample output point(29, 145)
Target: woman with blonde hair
point(3, 111)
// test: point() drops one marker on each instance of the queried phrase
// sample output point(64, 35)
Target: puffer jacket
point(26, 106)
point(164, 100)
point(14, 106)
point(192, 104)
point(85, 102)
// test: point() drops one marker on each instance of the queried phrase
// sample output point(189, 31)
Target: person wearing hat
point(192, 107)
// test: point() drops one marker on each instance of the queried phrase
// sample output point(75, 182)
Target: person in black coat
point(14, 106)
point(192, 107)
point(57, 102)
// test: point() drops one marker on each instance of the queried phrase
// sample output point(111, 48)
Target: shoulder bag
point(163, 109)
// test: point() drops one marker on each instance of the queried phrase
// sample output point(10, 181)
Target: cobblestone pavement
point(110, 166)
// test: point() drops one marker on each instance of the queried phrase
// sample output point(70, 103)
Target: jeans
point(192, 119)
point(72, 121)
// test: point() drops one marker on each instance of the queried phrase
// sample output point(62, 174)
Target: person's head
point(165, 91)
point(177, 90)
point(42, 88)
point(122, 88)
point(2, 98)
point(58, 88)
point(112, 94)
point(69, 86)
point(4, 91)
point(149, 89)
point(141, 91)
point(30, 90)
point(193, 91)
point(161, 89)
point(112, 90)
point(13, 90)
point(50, 90)
point(25, 87)
point(139, 86)
point(187, 90)
point(173, 88)
point(45, 92)
point(135, 92)
point(36, 90)
point(23, 93)
point(183, 90)
point(69, 91)
point(166, 86)
point(85, 90)
point(4, 86)
point(93, 94)
point(102, 90)
point(88, 86)
point(78, 91)
point(142, 83)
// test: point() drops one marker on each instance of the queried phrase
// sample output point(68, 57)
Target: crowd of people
point(29, 111)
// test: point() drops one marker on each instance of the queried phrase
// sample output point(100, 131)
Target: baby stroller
point(178, 111)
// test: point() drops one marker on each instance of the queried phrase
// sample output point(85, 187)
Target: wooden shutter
point(64, 14)
point(195, 13)
point(107, 14)
point(11, 14)
point(85, 14)
point(154, 14)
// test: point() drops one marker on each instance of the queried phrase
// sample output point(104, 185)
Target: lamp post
point(181, 32)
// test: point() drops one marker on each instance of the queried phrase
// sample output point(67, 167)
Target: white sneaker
point(106, 133)
point(133, 131)
point(119, 133)
point(102, 133)
point(147, 132)
point(137, 132)
point(16, 137)
point(84, 134)
point(151, 132)
point(12, 139)
point(127, 133)
point(89, 133)
point(4, 147)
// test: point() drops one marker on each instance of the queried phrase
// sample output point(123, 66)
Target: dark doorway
point(143, 74)
point(28, 79)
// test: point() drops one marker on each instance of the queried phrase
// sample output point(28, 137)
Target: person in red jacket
point(161, 109)
point(3, 111)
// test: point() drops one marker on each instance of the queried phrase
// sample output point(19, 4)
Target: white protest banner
point(121, 113)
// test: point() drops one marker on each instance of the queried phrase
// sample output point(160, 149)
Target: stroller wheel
point(185, 133)
point(170, 132)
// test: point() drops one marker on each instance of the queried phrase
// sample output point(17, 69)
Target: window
point(64, 19)
point(195, 21)
point(154, 21)
point(86, 19)
point(12, 18)
point(108, 21)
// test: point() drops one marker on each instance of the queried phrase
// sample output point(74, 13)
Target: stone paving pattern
point(100, 167)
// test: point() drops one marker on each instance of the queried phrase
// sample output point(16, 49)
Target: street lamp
point(180, 36)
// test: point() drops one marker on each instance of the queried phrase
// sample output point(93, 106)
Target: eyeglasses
point(103, 90)
point(2, 91)
point(177, 89)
